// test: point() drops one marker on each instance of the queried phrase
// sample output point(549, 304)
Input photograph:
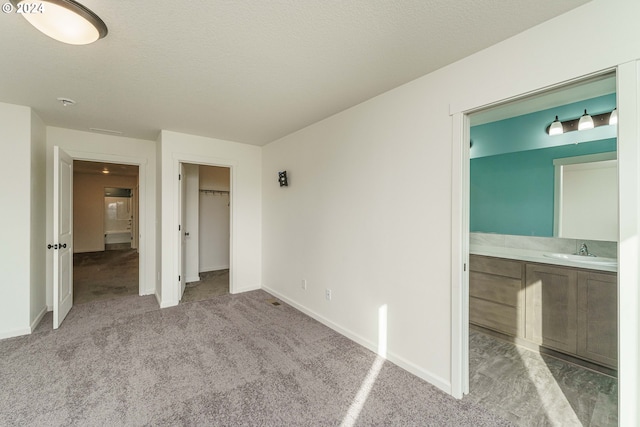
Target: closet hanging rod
point(215, 191)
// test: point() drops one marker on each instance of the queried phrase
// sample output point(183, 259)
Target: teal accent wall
point(513, 193)
point(528, 132)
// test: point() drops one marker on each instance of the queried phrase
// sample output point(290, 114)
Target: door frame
point(178, 159)
point(628, 97)
point(142, 208)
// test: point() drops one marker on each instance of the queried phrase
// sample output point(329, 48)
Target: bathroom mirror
point(513, 176)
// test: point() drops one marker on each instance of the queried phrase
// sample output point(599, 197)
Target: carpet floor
point(104, 275)
point(234, 360)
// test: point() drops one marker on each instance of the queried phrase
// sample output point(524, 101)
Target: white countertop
point(535, 256)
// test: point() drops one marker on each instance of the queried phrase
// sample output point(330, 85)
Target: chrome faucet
point(584, 251)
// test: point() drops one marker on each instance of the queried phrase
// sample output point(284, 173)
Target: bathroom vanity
point(558, 304)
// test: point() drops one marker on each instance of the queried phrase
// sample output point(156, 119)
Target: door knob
point(186, 233)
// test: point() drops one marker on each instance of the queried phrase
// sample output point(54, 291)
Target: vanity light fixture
point(64, 20)
point(556, 127)
point(586, 121)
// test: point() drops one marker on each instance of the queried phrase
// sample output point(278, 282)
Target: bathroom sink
point(584, 259)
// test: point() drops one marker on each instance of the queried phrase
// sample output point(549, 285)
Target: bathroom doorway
point(522, 330)
point(106, 259)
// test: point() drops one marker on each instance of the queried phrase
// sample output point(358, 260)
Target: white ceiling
point(245, 70)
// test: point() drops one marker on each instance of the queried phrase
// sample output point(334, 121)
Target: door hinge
point(178, 278)
point(178, 227)
point(465, 266)
point(179, 177)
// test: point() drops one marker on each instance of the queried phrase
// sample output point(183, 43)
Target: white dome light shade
point(586, 122)
point(613, 118)
point(556, 127)
point(66, 21)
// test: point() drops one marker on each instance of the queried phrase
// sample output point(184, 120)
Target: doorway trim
point(628, 98)
point(143, 250)
point(177, 160)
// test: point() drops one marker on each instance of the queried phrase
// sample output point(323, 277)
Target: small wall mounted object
point(282, 179)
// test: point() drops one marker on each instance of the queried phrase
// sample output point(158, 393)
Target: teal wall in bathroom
point(513, 193)
point(512, 173)
point(528, 132)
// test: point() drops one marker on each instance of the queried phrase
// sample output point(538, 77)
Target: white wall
point(115, 149)
point(245, 163)
point(368, 211)
point(192, 225)
point(38, 221)
point(22, 294)
point(88, 208)
point(158, 221)
point(214, 219)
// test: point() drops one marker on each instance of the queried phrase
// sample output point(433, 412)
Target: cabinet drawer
point(496, 266)
point(504, 290)
point(499, 317)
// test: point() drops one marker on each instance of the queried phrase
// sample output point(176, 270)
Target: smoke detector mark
point(66, 102)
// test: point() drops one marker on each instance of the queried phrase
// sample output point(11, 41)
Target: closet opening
point(206, 231)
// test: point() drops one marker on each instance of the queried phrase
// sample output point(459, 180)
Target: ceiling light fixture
point(584, 122)
point(64, 20)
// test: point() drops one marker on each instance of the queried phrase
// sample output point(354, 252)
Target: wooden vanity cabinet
point(551, 306)
point(567, 309)
point(598, 317)
point(496, 297)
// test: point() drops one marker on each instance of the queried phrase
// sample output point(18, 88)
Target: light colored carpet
point(234, 360)
point(104, 275)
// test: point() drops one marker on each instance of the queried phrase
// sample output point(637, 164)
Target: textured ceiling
point(245, 70)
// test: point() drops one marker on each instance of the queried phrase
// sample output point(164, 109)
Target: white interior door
point(182, 238)
point(63, 235)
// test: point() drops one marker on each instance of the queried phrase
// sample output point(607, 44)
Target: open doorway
point(543, 312)
point(206, 231)
point(106, 259)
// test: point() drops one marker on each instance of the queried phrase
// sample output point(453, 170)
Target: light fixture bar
point(572, 125)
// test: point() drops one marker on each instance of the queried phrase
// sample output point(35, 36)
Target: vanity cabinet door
point(597, 317)
point(551, 306)
point(496, 299)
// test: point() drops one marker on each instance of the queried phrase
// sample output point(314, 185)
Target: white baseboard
point(429, 377)
point(192, 279)
point(49, 308)
point(245, 289)
point(37, 320)
point(14, 333)
point(165, 303)
point(214, 268)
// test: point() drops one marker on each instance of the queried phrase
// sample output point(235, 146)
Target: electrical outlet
point(303, 285)
point(327, 294)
